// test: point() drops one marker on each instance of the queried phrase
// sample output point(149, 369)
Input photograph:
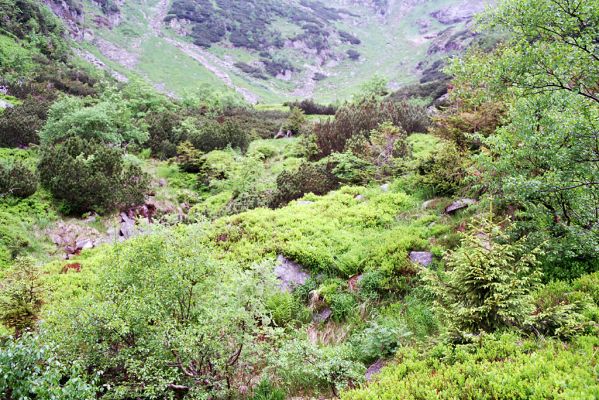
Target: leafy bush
point(265, 391)
point(308, 178)
point(108, 120)
point(381, 339)
point(499, 367)
point(89, 176)
point(562, 311)
point(21, 296)
point(17, 180)
point(310, 107)
point(163, 136)
point(31, 370)
point(300, 365)
point(192, 326)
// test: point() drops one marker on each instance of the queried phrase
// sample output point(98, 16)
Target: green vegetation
point(202, 248)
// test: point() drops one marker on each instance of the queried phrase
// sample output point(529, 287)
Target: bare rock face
point(323, 315)
point(463, 11)
point(73, 238)
point(424, 258)
point(459, 205)
point(72, 17)
point(290, 274)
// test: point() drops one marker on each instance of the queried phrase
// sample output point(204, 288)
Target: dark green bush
point(163, 137)
point(17, 180)
point(19, 125)
point(90, 176)
point(308, 178)
point(211, 135)
point(443, 171)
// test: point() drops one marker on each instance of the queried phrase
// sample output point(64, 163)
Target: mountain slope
point(269, 50)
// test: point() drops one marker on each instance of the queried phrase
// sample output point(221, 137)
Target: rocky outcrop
point(72, 17)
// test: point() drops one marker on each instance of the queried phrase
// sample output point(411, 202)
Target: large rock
point(323, 315)
point(290, 274)
point(459, 205)
point(374, 369)
point(424, 258)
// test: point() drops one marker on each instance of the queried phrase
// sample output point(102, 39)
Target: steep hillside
point(268, 50)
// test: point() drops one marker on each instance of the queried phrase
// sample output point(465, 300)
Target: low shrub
point(20, 124)
point(308, 178)
point(17, 180)
point(31, 370)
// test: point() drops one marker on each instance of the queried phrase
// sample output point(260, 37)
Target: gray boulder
point(290, 274)
point(459, 205)
point(424, 258)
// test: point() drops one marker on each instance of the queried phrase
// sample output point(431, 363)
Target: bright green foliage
point(15, 61)
point(544, 159)
point(31, 370)
point(285, 309)
point(17, 180)
point(487, 285)
point(565, 309)
point(108, 120)
point(336, 233)
point(499, 367)
point(265, 391)
point(90, 176)
point(21, 296)
point(160, 314)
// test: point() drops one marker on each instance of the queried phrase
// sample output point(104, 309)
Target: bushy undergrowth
point(502, 366)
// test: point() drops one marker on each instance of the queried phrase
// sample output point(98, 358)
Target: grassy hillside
point(272, 52)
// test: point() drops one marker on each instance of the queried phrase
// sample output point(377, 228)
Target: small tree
point(296, 120)
point(189, 158)
point(488, 283)
point(21, 296)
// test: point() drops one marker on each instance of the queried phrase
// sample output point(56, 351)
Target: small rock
point(360, 197)
point(5, 104)
point(424, 258)
point(304, 202)
point(323, 315)
point(385, 187)
point(353, 282)
point(374, 369)
point(290, 274)
point(162, 182)
point(458, 205)
point(429, 204)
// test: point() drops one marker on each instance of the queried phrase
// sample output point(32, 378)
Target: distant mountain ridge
point(269, 50)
